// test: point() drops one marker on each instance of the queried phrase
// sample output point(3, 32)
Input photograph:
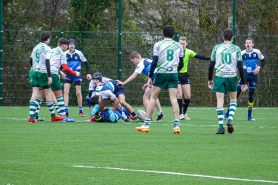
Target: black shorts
point(75, 82)
point(184, 78)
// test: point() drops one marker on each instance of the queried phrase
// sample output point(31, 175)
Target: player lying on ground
point(111, 91)
point(107, 115)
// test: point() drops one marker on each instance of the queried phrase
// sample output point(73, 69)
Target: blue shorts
point(250, 81)
point(114, 87)
point(120, 91)
point(105, 115)
point(77, 80)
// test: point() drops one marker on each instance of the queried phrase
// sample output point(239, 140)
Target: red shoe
point(81, 114)
point(32, 120)
point(58, 118)
point(93, 118)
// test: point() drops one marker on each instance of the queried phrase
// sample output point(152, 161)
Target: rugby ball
point(141, 115)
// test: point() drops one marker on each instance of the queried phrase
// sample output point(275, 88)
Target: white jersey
point(104, 92)
point(144, 66)
point(57, 58)
point(40, 53)
point(168, 52)
point(226, 55)
point(92, 85)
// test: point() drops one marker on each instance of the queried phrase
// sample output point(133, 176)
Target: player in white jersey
point(57, 60)
point(143, 66)
point(40, 77)
point(226, 59)
point(167, 61)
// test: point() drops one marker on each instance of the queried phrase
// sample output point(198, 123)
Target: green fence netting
point(101, 51)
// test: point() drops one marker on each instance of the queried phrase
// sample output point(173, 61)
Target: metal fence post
point(1, 52)
point(234, 21)
point(120, 34)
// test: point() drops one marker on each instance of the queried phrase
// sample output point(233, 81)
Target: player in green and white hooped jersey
point(40, 77)
point(226, 59)
point(167, 61)
point(57, 60)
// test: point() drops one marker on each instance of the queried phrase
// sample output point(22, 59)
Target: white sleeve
point(181, 51)
point(91, 85)
point(140, 67)
point(106, 94)
point(64, 58)
point(260, 55)
point(47, 52)
point(82, 57)
point(156, 49)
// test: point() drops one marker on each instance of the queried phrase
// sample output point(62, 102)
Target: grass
point(116, 154)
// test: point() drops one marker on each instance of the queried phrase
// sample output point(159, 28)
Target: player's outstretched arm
point(132, 77)
point(69, 71)
point(202, 57)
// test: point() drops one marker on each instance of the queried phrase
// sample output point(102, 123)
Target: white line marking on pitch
point(177, 173)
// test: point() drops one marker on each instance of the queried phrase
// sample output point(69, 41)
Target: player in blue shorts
point(250, 57)
point(75, 59)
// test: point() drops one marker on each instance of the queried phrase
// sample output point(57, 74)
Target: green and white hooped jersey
point(168, 52)
point(226, 55)
point(40, 53)
point(57, 58)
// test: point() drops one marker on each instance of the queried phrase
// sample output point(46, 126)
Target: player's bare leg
point(66, 96)
point(175, 109)
point(146, 100)
point(79, 99)
point(154, 95)
point(128, 107)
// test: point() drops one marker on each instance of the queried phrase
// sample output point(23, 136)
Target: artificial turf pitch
point(116, 154)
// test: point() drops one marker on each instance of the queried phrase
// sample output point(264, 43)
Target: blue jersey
point(114, 87)
point(74, 61)
point(144, 66)
point(105, 115)
point(250, 61)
